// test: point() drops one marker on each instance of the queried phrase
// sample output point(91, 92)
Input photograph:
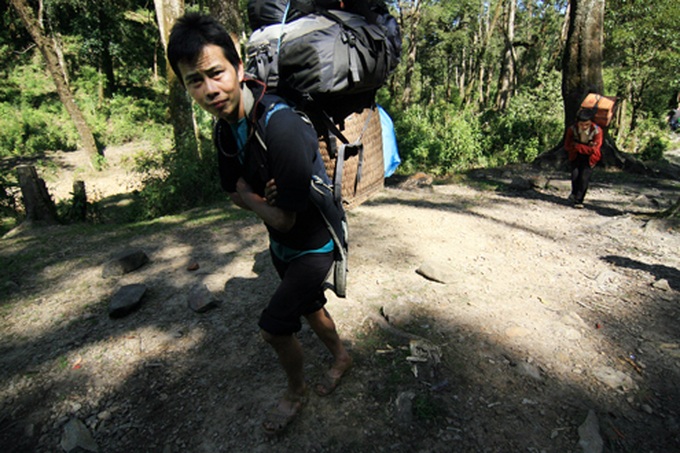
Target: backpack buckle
point(351, 149)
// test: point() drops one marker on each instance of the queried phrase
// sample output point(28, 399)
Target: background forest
point(479, 85)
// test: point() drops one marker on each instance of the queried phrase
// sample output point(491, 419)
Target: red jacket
point(591, 147)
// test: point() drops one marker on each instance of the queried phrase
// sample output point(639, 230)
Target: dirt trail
point(546, 313)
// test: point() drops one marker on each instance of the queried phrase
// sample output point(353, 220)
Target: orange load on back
point(604, 106)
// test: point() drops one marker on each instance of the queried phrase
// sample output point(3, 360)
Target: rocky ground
point(551, 329)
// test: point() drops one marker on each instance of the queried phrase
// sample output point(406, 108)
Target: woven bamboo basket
point(363, 126)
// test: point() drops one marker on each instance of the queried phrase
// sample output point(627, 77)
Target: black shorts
point(300, 292)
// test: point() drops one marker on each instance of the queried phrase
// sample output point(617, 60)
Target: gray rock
point(614, 378)
point(646, 201)
point(540, 181)
point(589, 434)
point(398, 313)
point(517, 332)
point(126, 300)
point(404, 408)
point(662, 284)
point(127, 261)
point(418, 180)
point(75, 436)
point(520, 183)
point(529, 370)
point(436, 272)
point(200, 299)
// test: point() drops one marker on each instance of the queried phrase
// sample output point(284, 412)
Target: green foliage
point(32, 118)
point(654, 148)
point(174, 182)
point(643, 48)
point(437, 139)
point(29, 132)
point(8, 203)
point(130, 118)
point(188, 183)
point(649, 139)
point(652, 138)
point(442, 139)
point(531, 124)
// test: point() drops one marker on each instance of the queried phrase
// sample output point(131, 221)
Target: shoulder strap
point(260, 126)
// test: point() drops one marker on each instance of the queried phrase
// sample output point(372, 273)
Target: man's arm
point(276, 218)
point(598, 139)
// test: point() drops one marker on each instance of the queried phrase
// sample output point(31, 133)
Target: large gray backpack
point(328, 52)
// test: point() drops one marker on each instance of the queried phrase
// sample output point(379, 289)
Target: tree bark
point(37, 200)
point(582, 59)
point(673, 211)
point(181, 112)
point(227, 13)
point(412, 49)
point(506, 83)
point(105, 58)
point(78, 209)
point(582, 74)
point(51, 58)
point(480, 52)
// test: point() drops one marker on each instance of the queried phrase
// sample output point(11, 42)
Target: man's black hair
point(191, 33)
point(585, 114)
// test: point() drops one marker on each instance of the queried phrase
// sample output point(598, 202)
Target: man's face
point(583, 125)
point(214, 83)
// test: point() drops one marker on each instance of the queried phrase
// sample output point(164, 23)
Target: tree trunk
point(673, 211)
point(582, 59)
point(105, 58)
point(461, 74)
point(582, 74)
point(181, 112)
point(78, 210)
point(37, 201)
point(51, 58)
point(412, 51)
point(227, 13)
point(506, 83)
point(480, 51)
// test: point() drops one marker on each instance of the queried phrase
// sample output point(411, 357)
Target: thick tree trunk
point(37, 200)
point(227, 13)
point(51, 58)
point(582, 59)
point(105, 58)
point(412, 51)
point(181, 112)
point(582, 74)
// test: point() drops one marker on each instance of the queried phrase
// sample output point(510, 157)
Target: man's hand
point(270, 192)
point(273, 216)
point(243, 188)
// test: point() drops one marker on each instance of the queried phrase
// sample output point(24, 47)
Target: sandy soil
point(547, 314)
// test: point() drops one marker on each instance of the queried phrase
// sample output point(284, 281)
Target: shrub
point(134, 119)
point(26, 131)
point(437, 139)
point(654, 148)
point(531, 124)
point(174, 182)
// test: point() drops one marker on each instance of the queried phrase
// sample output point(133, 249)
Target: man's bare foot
point(330, 381)
point(281, 415)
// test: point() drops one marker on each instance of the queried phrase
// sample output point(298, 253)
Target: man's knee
point(274, 339)
point(320, 313)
